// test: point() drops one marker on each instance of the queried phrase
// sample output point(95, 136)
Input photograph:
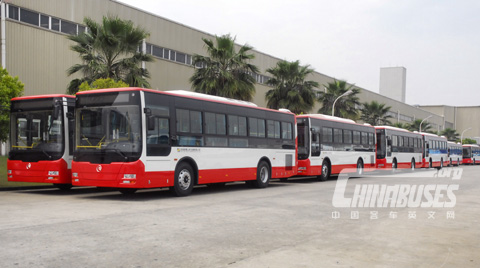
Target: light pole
point(461, 136)
point(343, 95)
point(420, 128)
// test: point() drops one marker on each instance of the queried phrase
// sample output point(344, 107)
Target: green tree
point(10, 87)
point(400, 125)
point(415, 126)
point(110, 50)
point(102, 83)
point(450, 134)
point(469, 141)
point(290, 90)
point(345, 106)
point(225, 72)
point(375, 113)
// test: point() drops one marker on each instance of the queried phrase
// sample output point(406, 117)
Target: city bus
point(455, 153)
point(435, 153)
point(41, 140)
point(471, 154)
point(398, 148)
point(327, 145)
point(132, 138)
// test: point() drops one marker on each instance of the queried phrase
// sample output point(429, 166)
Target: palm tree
point(290, 90)
point(415, 126)
point(375, 113)
point(345, 106)
point(400, 125)
point(450, 134)
point(110, 50)
point(225, 72)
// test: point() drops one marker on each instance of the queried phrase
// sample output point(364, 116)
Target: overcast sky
point(437, 41)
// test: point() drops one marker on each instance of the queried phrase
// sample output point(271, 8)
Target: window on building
point(69, 28)
point(29, 17)
point(180, 57)
point(13, 12)
point(81, 29)
point(55, 24)
point(44, 22)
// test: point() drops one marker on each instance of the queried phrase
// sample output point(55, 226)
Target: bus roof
point(394, 128)
point(187, 94)
point(470, 145)
point(43, 97)
point(330, 118)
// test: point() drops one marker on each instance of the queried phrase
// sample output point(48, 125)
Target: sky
point(437, 41)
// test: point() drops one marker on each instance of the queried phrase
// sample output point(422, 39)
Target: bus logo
point(29, 165)
point(99, 168)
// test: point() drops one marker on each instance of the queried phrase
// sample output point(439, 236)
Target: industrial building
point(36, 49)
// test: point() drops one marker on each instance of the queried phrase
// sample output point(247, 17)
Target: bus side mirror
point(151, 122)
point(389, 142)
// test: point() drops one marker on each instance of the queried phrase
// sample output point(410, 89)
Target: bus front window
point(113, 131)
point(36, 135)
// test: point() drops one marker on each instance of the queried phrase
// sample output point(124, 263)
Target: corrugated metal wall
point(41, 57)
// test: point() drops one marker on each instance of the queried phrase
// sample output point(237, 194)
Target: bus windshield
point(36, 135)
point(108, 134)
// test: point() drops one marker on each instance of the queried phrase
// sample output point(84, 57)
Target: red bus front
point(55, 171)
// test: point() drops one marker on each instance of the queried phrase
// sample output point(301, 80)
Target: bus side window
point(315, 143)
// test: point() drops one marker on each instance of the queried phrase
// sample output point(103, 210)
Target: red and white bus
point(327, 145)
point(435, 153)
point(398, 148)
point(133, 138)
point(471, 154)
point(455, 153)
point(41, 139)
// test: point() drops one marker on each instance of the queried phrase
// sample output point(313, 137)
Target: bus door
point(158, 133)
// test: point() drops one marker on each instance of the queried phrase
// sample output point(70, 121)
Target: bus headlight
point(9, 171)
point(75, 174)
point(129, 176)
point(53, 173)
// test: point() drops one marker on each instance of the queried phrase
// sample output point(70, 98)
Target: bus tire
point(359, 171)
point(458, 162)
point(63, 186)
point(450, 164)
point(430, 163)
point(441, 164)
point(184, 180)
point(263, 175)
point(127, 191)
point(325, 175)
point(412, 165)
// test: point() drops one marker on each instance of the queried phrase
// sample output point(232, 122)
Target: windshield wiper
point(119, 152)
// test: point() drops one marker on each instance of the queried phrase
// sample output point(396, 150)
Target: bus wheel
point(263, 175)
point(359, 167)
point(441, 164)
point(63, 186)
point(450, 164)
point(127, 191)
point(394, 165)
point(430, 164)
point(325, 171)
point(184, 180)
point(412, 166)
point(458, 162)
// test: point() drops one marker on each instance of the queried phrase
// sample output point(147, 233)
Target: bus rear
point(41, 131)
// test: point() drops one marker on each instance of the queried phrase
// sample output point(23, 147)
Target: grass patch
point(4, 180)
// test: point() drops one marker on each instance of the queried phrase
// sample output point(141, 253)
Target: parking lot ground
point(288, 224)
